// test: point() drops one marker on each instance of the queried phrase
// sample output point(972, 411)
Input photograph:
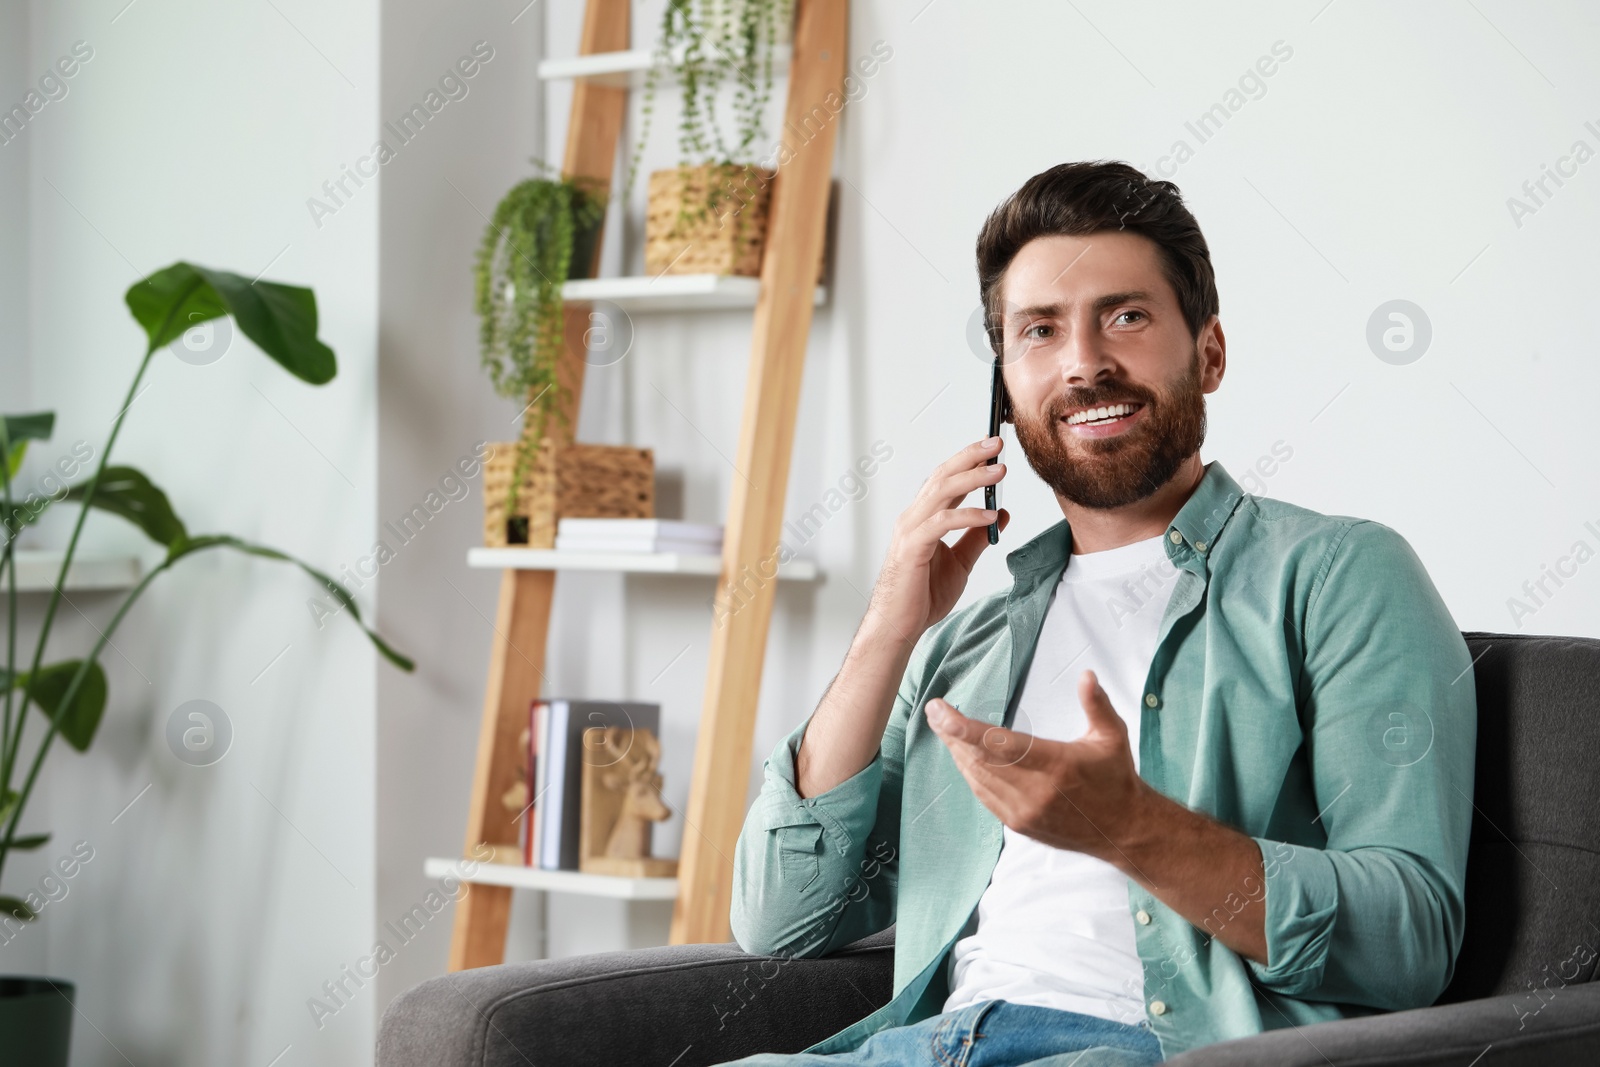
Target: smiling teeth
point(1098, 414)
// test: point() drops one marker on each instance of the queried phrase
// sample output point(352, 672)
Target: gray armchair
point(1522, 992)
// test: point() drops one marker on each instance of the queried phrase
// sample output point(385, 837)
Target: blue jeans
point(990, 1033)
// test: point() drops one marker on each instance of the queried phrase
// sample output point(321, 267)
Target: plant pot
point(584, 241)
point(575, 480)
point(35, 1020)
point(728, 238)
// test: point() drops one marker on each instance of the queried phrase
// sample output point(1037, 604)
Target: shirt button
point(1177, 538)
point(1143, 917)
point(1151, 700)
point(1200, 546)
point(1158, 1007)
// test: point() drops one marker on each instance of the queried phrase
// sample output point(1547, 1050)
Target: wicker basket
point(576, 481)
point(731, 236)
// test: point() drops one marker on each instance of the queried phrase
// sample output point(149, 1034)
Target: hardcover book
point(559, 775)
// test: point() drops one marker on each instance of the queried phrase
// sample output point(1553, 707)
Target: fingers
point(963, 472)
point(944, 492)
point(971, 544)
point(945, 719)
point(972, 455)
point(1103, 718)
point(942, 522)
point(940, 713)
point(934, 512)
point(954, 489)
point(999, 744)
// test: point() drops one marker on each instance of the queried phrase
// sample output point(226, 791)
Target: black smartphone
point(999, 411)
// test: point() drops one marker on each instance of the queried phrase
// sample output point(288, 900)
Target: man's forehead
point(1061, 271)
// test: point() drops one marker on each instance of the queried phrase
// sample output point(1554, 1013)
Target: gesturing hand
point(1084, 795)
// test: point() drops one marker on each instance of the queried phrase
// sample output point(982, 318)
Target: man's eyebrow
point(1053, 310)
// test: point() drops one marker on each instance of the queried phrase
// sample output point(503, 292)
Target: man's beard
point(1111, 472)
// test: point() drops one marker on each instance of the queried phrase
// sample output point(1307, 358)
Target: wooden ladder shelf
point(797, 220)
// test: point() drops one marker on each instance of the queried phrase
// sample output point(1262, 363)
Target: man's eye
point(1028, 333)
point(1140, 314)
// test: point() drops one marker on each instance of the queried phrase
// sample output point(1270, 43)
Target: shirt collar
point(1189, 537)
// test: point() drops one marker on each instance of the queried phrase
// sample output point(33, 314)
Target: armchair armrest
point(686, 1005)
point(1506, 1031)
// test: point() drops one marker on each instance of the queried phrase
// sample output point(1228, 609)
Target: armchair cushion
point(1520, 1030)
point(685, 1005)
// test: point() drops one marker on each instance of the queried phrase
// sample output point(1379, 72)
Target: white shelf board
point(549, 559)
point(579, 882)
point(37, 570)
point(628, 69)
point(675, 292)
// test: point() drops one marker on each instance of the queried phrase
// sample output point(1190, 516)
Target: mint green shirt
point(1309, 688)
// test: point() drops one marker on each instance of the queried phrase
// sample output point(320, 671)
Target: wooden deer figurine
point(621, 797)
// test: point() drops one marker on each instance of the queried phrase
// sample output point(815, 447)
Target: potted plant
point(544, 231)
point(707, 43)
point(35, 1014)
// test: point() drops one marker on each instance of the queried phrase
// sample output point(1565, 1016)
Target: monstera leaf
point(123, 491)
point(17, 430)
point(81, 717)
point(280, 319)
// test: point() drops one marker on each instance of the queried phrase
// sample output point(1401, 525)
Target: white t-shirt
point(1053, 925)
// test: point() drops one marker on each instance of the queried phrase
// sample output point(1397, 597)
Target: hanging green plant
point(543, 232)
point(719, 40)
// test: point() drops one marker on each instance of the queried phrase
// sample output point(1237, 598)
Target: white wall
point(1375, 165)
point(226, 895)
point(13, 215)
point(435, 404)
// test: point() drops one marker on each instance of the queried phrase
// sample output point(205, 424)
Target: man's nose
point(1085, 359)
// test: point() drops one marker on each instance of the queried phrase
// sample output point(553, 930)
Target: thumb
point(1103, 718)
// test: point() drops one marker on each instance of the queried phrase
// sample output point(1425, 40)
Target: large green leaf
point(127, 492)
point(16, 908)
point(29, 842)
point(170, 301)
point(82, 718)
point(280, 319)
point(205, 541)
point(17, 430)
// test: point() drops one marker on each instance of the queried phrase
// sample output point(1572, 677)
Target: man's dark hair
point(1078, 199)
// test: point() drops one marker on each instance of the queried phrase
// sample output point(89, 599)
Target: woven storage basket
point(574, 481)
point(731, 236)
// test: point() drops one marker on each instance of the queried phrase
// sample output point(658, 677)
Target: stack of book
point(549, 828)
point(638, 535)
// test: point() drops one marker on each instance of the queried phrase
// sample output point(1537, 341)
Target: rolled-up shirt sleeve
point(1366, 905)
point(813, 874)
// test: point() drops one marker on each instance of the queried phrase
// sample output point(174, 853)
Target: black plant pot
point(584, 240)
point(35, 1021)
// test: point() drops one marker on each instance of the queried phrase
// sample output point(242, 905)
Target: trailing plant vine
point(720, 39)
point(523, 260)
